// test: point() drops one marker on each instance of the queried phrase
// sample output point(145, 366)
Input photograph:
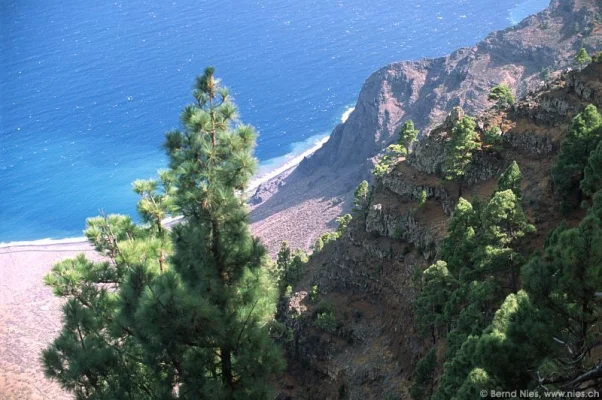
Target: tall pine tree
point(511, 179)
point(581, 139)
point(464, 140)
point(407, 135)
point(592, 175)
point(182, 315)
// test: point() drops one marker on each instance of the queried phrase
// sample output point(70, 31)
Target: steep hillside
point(370, 276)
point(424, 91)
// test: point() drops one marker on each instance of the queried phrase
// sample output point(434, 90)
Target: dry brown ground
point(29, 318)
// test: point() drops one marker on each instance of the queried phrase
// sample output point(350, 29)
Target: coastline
point(44, 242)
point(23, 265)
point(67, 243)
point(288, 162)
point(286, 165)
point(291, 160)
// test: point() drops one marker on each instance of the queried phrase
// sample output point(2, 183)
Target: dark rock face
point(529, 143)
point(425, 91)
point(371, 275)
point(585, 86)
point(265, 190)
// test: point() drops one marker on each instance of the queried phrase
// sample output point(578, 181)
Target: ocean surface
point(88, 88)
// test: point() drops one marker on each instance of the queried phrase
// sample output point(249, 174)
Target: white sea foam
point(274, 167)
point(526, 8)
point(267, 170)
point(44, 242)
point(271, 168)
point(347, 113)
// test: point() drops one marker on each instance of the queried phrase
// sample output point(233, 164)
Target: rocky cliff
point(370, 276)
point(424, 91)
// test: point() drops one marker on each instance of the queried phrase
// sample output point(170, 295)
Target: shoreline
point(44, 242)
point(291, 159)
point(289, 164)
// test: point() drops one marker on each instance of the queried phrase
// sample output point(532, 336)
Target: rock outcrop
point(426, 91)
point(370, 276)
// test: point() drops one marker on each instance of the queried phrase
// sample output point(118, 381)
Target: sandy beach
point(30, 314)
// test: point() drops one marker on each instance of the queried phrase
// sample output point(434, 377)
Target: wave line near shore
point(274, 168)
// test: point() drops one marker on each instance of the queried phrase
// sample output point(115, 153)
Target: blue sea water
point(88, 88)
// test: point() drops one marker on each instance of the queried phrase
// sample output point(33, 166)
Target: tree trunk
point(216, 251)
point(583, 324)
point(227, 376)
point(513, 279)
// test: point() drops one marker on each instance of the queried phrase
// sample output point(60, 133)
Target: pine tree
point(511, 179)
point(499, 352)
point(582, 58)
point(295, 270)
point(360, 197)
point(504, 225)
point(582, 138)
point(481, 259)
point(550, 329)
point(464, 140)
point(444, 292)
point(283, 264)
point(472, 388)
point(424, 375)
point(456, 370)
point(343, 222)
point(492, 138)
point(289, 266)
point(502, 95)
point(592, 176)
point(407, 135)
point(461, 240)
point(189, 325)
point(438, 286)
point(422, 198)
point(284, 257)
point(563, 283)
point(89, 357)
point(215, 255)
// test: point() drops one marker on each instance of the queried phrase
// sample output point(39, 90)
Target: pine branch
point(592, 374)
point(244, 325)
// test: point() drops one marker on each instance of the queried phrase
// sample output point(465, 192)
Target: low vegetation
point(189, 312)
point(502, 95)
point(511, 318)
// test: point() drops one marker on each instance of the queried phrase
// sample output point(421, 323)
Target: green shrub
point(422, 198)
point(493, 138)
point(326, 321)
point(314, 293)
point(502, 95)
